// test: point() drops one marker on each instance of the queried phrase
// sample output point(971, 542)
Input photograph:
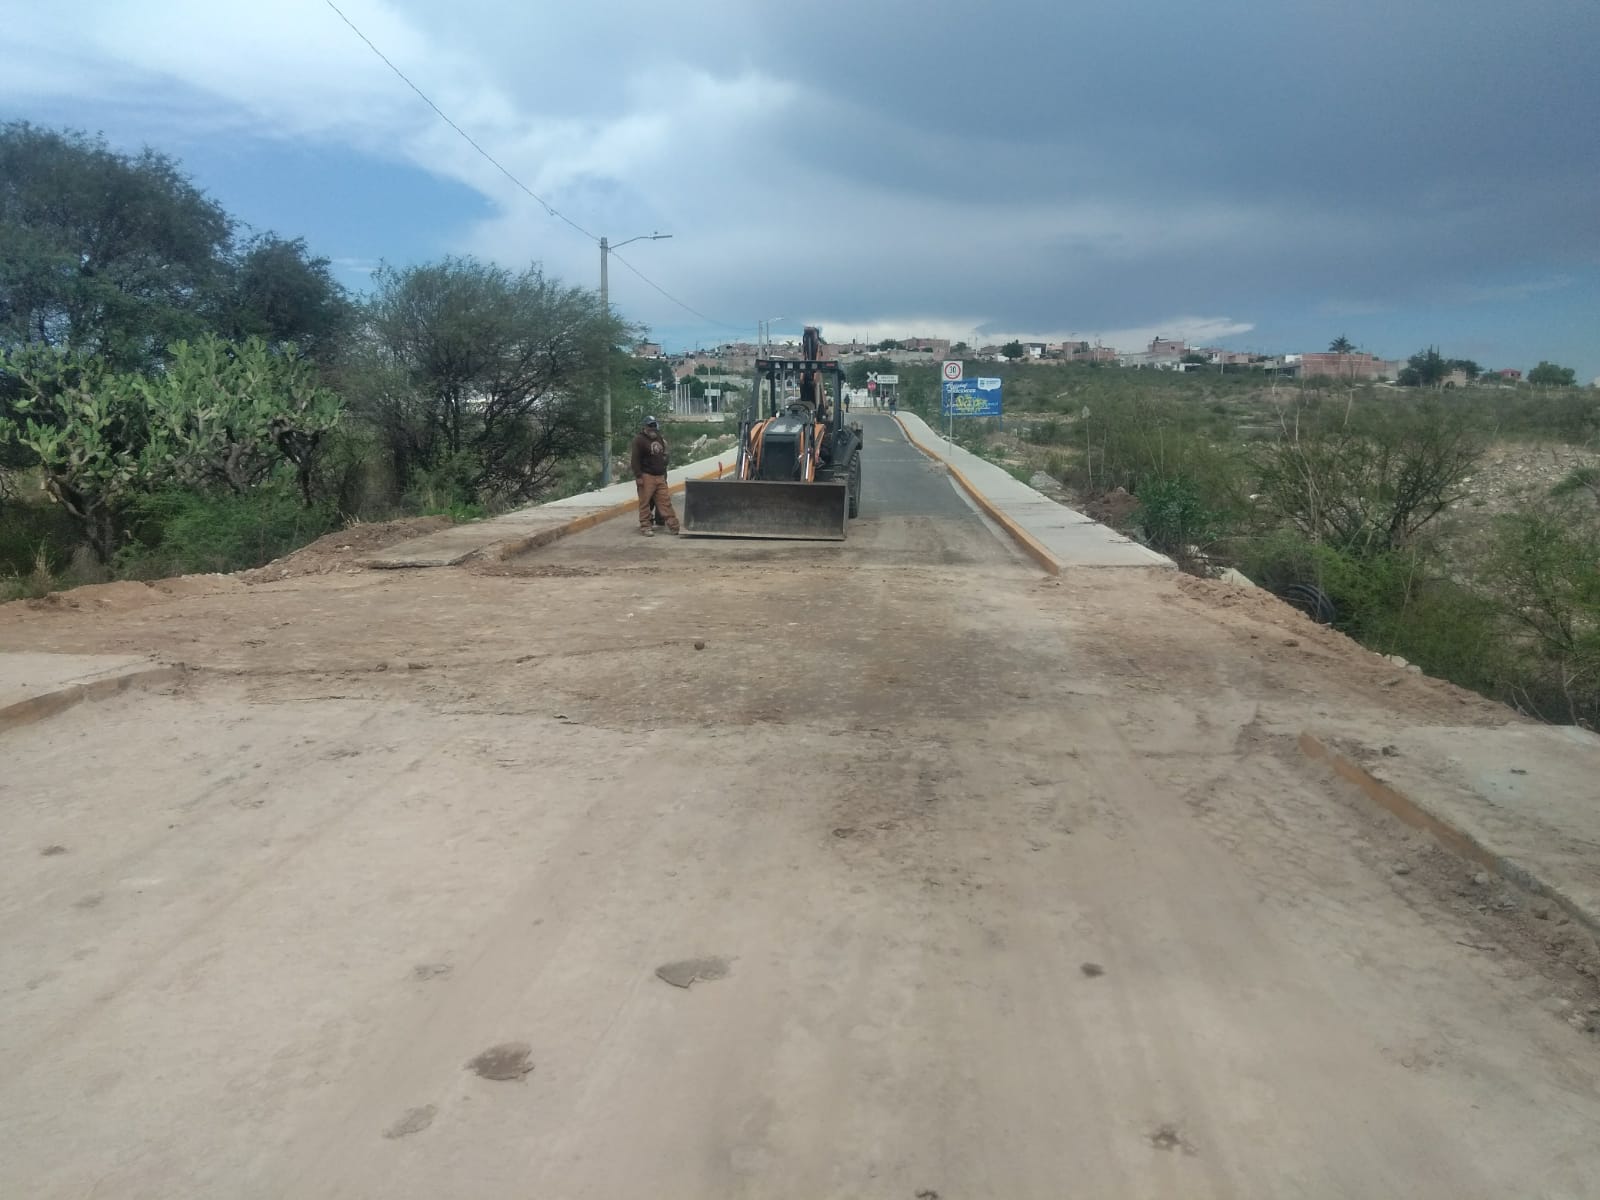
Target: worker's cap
point(652, 422)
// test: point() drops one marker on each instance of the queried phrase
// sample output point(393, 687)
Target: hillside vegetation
point(180, 394)
point(1456, 528)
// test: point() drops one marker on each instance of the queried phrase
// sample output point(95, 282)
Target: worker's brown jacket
point(649, 455)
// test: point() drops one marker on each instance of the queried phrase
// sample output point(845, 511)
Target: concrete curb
point(511, 547)
point(1029, 546)
point(50, 704)
point(516, 541)
point(1454, 839)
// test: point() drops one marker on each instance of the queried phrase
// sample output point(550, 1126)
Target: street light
point(605, 371)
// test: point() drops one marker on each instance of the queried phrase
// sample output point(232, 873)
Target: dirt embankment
point(333, 552)
point(341, 549)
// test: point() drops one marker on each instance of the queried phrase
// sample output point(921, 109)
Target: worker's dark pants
point(653, 489)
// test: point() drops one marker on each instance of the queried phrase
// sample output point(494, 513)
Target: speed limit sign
point(952, 369)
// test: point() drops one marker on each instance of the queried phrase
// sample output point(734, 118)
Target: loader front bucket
point(765, 509)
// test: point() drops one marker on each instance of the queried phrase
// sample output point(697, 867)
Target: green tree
point(229, 414)
point(1548, 374)
point(888, 344)
point(281, 293)
point(1544, 571)
point(87, 433)
point(219, 417)
point(1426, 368)
point(1341, 345)
point(1369, 479)
point(960, 348)
point(490, 375)
point(109, 254)
point(1013, 350)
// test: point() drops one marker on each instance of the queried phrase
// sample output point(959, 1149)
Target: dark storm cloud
point(1022, 166)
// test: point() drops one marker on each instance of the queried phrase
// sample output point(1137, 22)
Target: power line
point(686, 308)
point(545, 204)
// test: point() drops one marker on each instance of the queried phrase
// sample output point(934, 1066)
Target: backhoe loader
point(798, 473)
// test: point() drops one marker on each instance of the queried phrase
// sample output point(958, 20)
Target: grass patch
point(185, 533)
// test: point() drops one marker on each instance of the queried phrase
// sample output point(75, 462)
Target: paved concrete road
point(898, 480)
point(994, 886)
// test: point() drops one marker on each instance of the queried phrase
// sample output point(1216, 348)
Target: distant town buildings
point(1161, 353)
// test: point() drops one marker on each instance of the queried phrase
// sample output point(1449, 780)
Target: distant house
point(647, 350)
point(1347, 366)
point(1228, 358)
point(1084, 352)
point(1163, 353)
point(1510, 374)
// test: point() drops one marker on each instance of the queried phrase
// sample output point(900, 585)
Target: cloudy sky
point(1252, 173)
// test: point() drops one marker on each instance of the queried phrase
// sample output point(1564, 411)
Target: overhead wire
point(687, 308)
point(549, 208)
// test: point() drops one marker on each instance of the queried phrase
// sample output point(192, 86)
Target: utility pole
point(605, 368)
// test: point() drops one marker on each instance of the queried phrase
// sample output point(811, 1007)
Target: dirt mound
point(1114, 508)
point(197, 585)
point(123, 594)
point(340, 550)
point(126, 594)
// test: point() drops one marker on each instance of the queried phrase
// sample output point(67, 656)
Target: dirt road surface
point(987, 885)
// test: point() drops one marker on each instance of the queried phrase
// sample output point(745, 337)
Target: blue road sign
point(971, 398)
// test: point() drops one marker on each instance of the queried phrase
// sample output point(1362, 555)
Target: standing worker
point(648, 460)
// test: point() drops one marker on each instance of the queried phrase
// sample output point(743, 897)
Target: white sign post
point(952, 372)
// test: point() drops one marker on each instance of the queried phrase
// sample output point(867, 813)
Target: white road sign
point(952, 369)
point(887, 378)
